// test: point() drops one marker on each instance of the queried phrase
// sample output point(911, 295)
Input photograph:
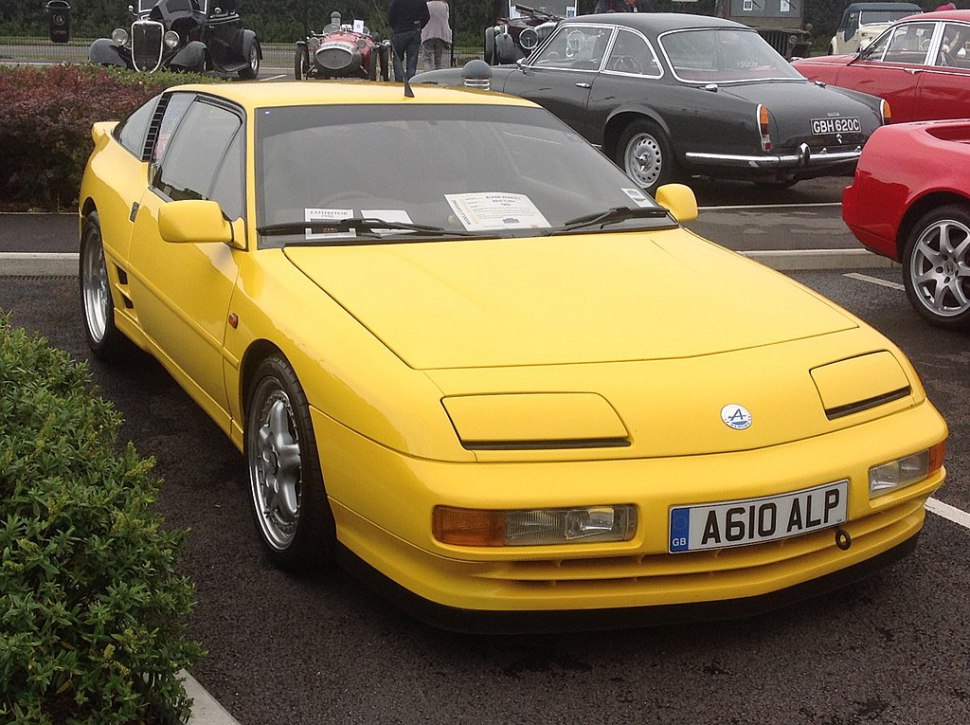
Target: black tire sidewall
point(666, 153)
point(957, 212)
point(315, 539)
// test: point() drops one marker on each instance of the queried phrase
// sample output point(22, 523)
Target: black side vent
point(153, 128)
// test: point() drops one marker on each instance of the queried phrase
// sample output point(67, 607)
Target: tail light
point(886, 111)
point(763, 126)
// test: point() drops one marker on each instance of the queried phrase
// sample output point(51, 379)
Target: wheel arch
point(620, 120)
point(918, 208)
point(257, 351)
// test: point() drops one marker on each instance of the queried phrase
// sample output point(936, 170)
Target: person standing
point(622, 6)
point(436, 36)
point(406, 18)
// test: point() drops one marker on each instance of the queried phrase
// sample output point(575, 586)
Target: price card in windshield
point(751, 521)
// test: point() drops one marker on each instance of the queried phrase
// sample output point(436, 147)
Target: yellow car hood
point(564, 300)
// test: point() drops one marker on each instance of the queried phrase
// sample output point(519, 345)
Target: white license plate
point(823, 126)
point(752, 520)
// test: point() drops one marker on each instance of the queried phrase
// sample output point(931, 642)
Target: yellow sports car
point(464, 353)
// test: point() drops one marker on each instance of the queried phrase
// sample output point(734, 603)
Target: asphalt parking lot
point(892, 649)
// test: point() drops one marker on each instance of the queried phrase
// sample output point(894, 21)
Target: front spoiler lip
point(469, 621)
point(804, 159)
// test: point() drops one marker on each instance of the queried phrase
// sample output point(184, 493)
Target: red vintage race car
point(910, 201)
point(342, 50)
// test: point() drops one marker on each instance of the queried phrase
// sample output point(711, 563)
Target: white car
point(863, 22)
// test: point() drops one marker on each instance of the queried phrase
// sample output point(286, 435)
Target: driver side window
point(575, 48)
point(909, 43)
point(632, 54)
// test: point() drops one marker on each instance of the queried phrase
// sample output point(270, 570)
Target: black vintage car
point(675, 95)
point(182, 35)
point(519, 29)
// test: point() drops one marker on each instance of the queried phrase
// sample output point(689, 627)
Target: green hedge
point(45, 127)
point(91, 609)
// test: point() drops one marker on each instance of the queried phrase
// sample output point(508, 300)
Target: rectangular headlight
point(905, 471)
point(534, 527)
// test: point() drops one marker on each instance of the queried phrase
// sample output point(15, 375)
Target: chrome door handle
point(582, 85)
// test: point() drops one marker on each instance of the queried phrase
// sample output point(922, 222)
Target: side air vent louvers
point(153, 128)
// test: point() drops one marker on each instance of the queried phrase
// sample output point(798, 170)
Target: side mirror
point(194, 222)
point(679, 200)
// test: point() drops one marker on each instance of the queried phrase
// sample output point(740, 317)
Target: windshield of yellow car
point(724, 55)
point(431, 172)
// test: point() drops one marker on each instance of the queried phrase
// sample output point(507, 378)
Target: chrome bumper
point(803, 159)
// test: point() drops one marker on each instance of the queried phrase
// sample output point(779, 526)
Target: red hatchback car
point(910, 201)
point(920, 65)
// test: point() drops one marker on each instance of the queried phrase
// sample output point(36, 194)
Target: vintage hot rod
point(182, 35)
point(342, 50)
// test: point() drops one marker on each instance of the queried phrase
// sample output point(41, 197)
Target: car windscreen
point(871, 17)
point(449, 171)
point(724, 55)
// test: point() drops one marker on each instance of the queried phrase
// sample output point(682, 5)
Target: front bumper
point(382, 503)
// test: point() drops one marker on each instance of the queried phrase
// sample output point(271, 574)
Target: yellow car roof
point(302, 93)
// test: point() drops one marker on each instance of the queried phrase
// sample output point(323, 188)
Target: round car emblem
point(736, 416)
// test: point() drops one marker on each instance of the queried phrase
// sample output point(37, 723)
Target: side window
point(632, 54)
point(197, 151)
point(177, 104)
point(230, 184)
point(909, 43)
point(131, 132)
point(955, 48)
point(579, 48)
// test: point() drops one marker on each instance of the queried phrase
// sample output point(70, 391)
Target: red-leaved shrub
point(45, 127)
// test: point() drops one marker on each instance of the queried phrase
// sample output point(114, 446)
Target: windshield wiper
point(611, 216)
point(367, 226)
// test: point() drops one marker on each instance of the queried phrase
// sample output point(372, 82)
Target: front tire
point(301, 63)
point(251, 69)
point(644, 153)
point(936, 266)
point(104, 339)
point(288, 497)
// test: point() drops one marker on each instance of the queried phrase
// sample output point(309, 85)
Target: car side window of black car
point(131, 132)
point(197, 152)
point(632, 54)
point(575, 48)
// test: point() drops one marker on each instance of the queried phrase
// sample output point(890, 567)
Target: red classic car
point(921, 65)
point(910, 201)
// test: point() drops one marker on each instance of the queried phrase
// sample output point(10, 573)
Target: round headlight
point(313, 44)
point(171, 39)
point(792, 40)
point(528, 38)
point(119, 36)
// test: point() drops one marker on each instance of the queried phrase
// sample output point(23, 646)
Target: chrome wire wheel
point(275, 465)
point(938, 267)
point(644, 160)
point(95, 292)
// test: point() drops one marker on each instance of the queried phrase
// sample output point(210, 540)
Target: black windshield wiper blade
point(612, 216)
point(364, 226)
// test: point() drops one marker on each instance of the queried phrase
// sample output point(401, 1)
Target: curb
point(206, 710)
point(65, 264)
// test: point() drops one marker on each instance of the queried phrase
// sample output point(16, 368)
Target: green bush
point(45, 127)
point(91, 609)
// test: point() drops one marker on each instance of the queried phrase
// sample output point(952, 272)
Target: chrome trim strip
point(775, 161)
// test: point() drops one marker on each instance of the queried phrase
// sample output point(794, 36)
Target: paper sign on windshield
point(328, 215)
point(486, 211)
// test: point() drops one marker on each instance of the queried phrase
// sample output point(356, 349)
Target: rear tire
point(287, 494)
point(251, 70)
point(936, 266)
point(644, 153)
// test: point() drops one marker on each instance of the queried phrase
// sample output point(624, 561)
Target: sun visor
point(535, 421)
point(860, 383)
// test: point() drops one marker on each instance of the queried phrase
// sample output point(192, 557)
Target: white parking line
point(875, 280)
point(744, 207)
point(274, 78)
point(950, 513)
